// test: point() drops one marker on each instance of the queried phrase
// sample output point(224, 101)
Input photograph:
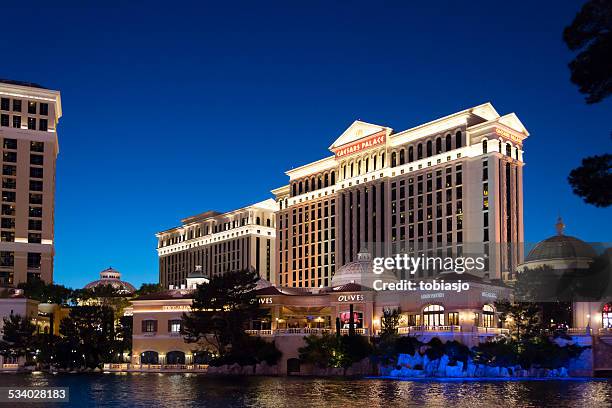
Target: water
point(190, 390)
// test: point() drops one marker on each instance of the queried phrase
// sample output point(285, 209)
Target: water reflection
point(189, 390)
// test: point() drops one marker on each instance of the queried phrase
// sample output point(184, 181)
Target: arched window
point(294, 189)
point(280, 204)
point(516, 153)
point(606, 316)
point(333, 178)
point(438, 145)
point(175, 357)
point(344, 171)
point(301, 187)
point(312, 184)
point(410, 154)
point(367, 164)
point(352, 168)
point(448, 143)
point(402, 157)
point(433, 315)
point(429, 148)
point(382, 161)
point(488, 316)
point(149, 357)
point(458, 140)
point(375, 157)
point(326, 180)
point(306, 186)
point(484, 146)
point(419, 151)
point(319, 182)
point(268, 223)
point(359, 167)
point(258, 221)
point(393, 159)
point(508, 150)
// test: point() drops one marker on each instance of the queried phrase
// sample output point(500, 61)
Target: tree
point(328, 350)
point(18, 337)
point(592, 181)
point(106, 296)
point(221, 311)
point(88, 336)
point(591, 34)
point(523, 319)
point(148, 288)
point(38, 289)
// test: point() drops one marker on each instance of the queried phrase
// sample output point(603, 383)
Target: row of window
point(7, 259)
point(41, 108)
point(5, 121)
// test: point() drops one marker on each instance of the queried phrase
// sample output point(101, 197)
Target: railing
point(154, 367)
point(605, 331)
point(301, 331)
point(9, 366)
point(578, 331)
point(493, 330)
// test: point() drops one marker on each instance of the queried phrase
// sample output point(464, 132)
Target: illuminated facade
point(29, 115)
point(449, 187)
point(214, 243)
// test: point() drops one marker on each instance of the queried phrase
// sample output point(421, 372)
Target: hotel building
point(214, 243)
point(29, 115)
point(449, 187)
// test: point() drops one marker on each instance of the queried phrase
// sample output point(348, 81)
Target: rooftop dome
point(112, 277)
point(560, 246)
point(360, 272)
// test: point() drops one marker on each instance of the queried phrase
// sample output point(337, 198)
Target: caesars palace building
point(449, 187)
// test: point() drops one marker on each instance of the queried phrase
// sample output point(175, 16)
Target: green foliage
point(254, 350)
point(329, 350)
point(149, 288)
point(221, 311)
point(18, 337)
point(47, 292)
point(456, 352)
point(87, 337)
point(592, 180)
point(435, 349)
point(522, 318)
point(501, 352)
point(591, 34)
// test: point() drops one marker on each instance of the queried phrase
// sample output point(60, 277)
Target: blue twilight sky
point(174, 108)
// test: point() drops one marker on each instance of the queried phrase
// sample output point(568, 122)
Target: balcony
point(302, 332)
point(495, 331)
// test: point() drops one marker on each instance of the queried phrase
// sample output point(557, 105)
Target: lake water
point(190, 390)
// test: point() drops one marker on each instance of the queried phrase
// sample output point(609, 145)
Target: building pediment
point(357, 131)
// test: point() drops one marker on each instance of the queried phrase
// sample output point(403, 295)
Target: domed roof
point(354, 272)
point(112, 277)
point(560, 246)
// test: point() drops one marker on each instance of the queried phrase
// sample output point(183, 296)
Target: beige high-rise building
point(451, 187)
point(214, 243)
point(29, 115)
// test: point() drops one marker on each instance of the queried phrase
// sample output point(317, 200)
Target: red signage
point(360, 145)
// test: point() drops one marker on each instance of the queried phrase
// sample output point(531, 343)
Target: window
point(35, 212)
point(8, 209)
point(17, 105)
point(7, 236)
point(488, 316)
point(32, 107)
point(8, 182)
point(36, 172)
point(4, 120)
point(10, 144)
point(174, 326)
point(433, 315)
point(453, 318)
point(44, 109)
point(7, 259)
point(508, 150)
point(448, 143)
point(606, 316)
point(36, 198)
point(36, 159)
point(17, 122)
point(8, 223)
point(149, 326)
point(8, 170)
point(35, 225)
point(484, 146)
point(5, 104)
point(42, 125)
point(8, 196)
point(33, 260)
point(34, 238)
point(36, 185)
point(10, 157)
point(458, 140)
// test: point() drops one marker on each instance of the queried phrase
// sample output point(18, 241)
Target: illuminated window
point(606, 316)
point(453, 318)
point(433, 315)
point(488, 316)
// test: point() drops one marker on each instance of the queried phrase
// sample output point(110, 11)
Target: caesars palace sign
point(360, 145)
point(508, 135)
